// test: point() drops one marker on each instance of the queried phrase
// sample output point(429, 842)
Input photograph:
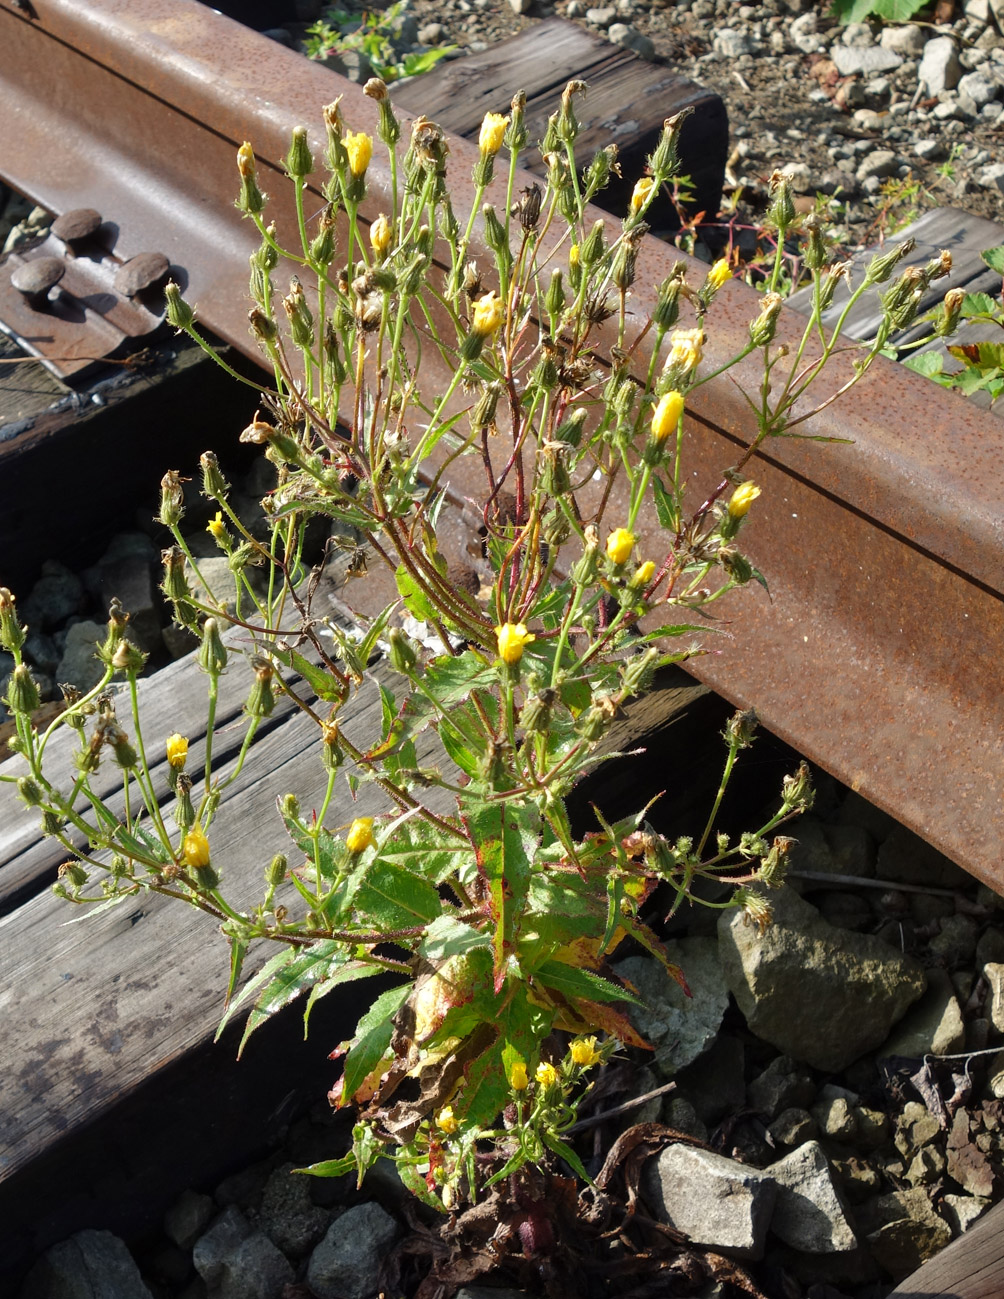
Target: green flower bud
point(214, 485)
point(179, 314)
point(814, 248)
point(30, 791)
point(275, 871)
point(595, 721)
point(585, 569)
point(301, 322)
point(290, 807)
point(22, 692)
point(593, 247)
point(52, 823)
point(125, 755)
point(882, 265)
point(212, 655)
point(261, 699)
point(570, 428)
point(741, 728)
point(664, 162)
point(402, 652)
point(567, 125)
point(535, 717)
point(263, 328)
point(763, 329)
point(517, 134)
point(667, 306)
point(554, 299)
point(184, 812)
point(74, 872)
point(172, 499)
point(781, 212)
point(128, 658)
point(299, 162)
point(12, 634)
point(623, 270)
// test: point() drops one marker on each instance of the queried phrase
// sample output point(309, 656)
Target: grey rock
point(993, 972)
point(844, 910)
point(939, 67)
point(220, 1243)
point(819, 994)
point(79, 666)
point(89, 1265)
point(955, 943)
point(930, 149)
point(576, 9)
point(803, 33)
point(857, 35)
point(521, 6)
point(404, 29)
point(903, 1230)
point(793, 1126)
point(287, 1215)
point(714, 1201)
point(854, 61)
point(631, 39)
point(186, 1218)
point(346, 1264)
point(681, 1116)
point(351, 64)
point(809, 1212)
point(907, 40)
point(601, 17)
point(835, 1116)
point(990, 948)
point(431, 34)
point(41, 650)
point(961, 1211)
point(56, 596)
point(255, 1270)
point(878, 163)
point(800, 175)
point(933, 1026)
point(131, 581)
point(733, 41)
point(948, 110)
point(992, 177)
point(783, 1084)
point(677, 1026)
point(975, 90)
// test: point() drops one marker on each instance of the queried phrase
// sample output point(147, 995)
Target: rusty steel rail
point(876, 655)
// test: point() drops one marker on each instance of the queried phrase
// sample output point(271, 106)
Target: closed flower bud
point(666, 415)
point(301, 322)
point(814, 249)
point(492, 134)
point(214, 485)
point(52, 822)
point(172, 499)
point(261, 699)
point(620, 544)
point(212, 655)
point(250, 199)
point(535, 716)
point(741, 500)
point(74, 872)
point(12, 634)
point(30, 791)
point(641, 193)
point(623, 270)
point(719, 273)
point(762, 329)
point(128, 658)
point(592, 249)
point(585, 568)
point(275, 871)
point(951, 308)
point(741, 728)
point(642, 575)
point(518, 1080)
point(512, 638)
point(554, 299)
point(781, 212)
point(359, 151)
point(177, 751)
point(195, 849)
point(495, 235)
point(299, 162)
point(639, 671)
point(882, 265)
point(402, 651)
point(22, 692)
point(738, 567)
point(360, 835)
point(517, 134)
point(179, 314)
point(575, 265)
point(667, 306)
point(381, 236)
point(217, 529)
point(570, 428)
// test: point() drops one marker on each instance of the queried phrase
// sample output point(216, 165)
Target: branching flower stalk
point(493, 913)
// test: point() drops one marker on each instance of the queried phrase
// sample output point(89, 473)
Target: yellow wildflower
point(446, 1120)
point(546, 1074)
point(643, 574)
point(583, 1052)
point(620, 543)
point(512, 637)
point(640, 193)
point(360, 835)
point(359, 148)
point(381, 236)
point(217, 527)
point(489, 312)
point(245, 160)
point(177, 751)
point(666, 415)
point(195, 848)
point(685, 349)
point(742, 498)
point(518, 1080)
point(573, 255)
point(719, 273)
point(490, 137)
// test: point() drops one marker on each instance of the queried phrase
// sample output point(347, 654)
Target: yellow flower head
point(359, 148)
point(446, 1120)
point(640, 193)
point(492, 130)
point(518, 1080)
point(195, 848)
point(512, 637)
point(217, 527)
point(177, 751)
point(573, 255)
point(685, 349)
point(666, 416)
point(360, 835)
point(719, 273)
point(381, 236)
point(546, 1074)
point(742, 498)
point(620, 543)
point(583, 1052)
point(489, 313)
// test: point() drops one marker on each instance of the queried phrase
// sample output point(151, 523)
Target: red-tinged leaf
point(601, 1015)
point(504, 837)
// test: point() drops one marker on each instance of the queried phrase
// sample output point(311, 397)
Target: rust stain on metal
point(876, 654)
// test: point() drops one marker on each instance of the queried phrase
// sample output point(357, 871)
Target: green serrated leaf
point(329, 1167)
point(505, 837)
point(447, 936)
point(978, 304)
point(293, 978)
point(390, 897)
point(572, 981)
point(994, 258)
point(238, 950)
point(458, 751)
point(372, 1039)
point(665, 507)
point(347, 974)
point(321, 682)
point(567, 1154)
point(926, 363)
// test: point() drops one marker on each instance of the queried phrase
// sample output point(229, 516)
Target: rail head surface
point(884, 557)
